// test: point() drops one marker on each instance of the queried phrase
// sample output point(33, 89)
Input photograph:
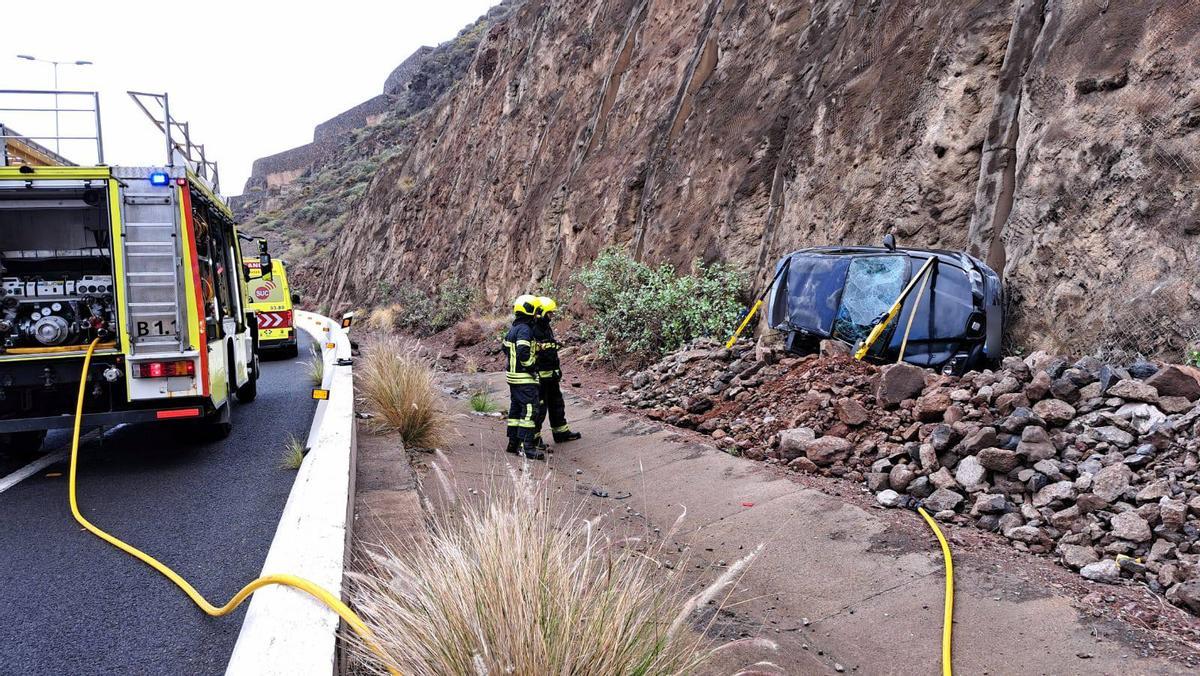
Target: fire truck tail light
point(164, 369)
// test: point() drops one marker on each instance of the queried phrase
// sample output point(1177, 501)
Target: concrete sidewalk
point(837, 585)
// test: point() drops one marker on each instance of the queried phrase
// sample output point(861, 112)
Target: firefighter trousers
point(552, 405)
point(523, 412)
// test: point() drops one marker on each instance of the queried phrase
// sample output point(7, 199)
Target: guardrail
point(286, 631)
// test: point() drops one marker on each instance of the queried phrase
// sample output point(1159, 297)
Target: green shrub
point(481, 402)
point(455, 300)
point(640, 312)
point(1193, 357)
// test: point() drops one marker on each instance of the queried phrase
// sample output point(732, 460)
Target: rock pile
point(1088, 462)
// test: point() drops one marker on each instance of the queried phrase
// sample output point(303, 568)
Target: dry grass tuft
point(397, 384)
point(383, 319)
point(316, 365)
point(293, 454)
point(512, 583)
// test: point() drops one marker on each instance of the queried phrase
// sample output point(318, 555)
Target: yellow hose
point(311, 588)
point(948, 612)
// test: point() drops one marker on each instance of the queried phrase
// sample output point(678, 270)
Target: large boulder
point(792, 442)
point(1055, 412)
point(969, 472)
point(1078, 556)
point(898, 382)
point(943, 499)
point(1111, 482)
point(1130, 526)
point(1106, 571)
point(828, 450)
point(1134, 390)
point(998, 459)
point(1035, 444)
point(1177, 381)
point(851, 412)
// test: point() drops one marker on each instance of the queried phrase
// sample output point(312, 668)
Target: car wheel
point(291, 351)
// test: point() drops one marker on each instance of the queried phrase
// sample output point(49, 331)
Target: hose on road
point(316, 591)
point(948, 611)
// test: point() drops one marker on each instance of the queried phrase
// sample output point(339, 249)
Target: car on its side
point(953, 323)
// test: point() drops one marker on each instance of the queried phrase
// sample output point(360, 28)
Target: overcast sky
point(253, 77)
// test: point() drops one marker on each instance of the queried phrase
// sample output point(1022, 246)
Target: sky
point(252, 77)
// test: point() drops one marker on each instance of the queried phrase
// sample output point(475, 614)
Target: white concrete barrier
point(286, 631)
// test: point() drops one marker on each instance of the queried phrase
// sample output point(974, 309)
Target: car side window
point(872, 284)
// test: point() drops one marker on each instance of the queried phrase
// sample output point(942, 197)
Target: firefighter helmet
point(526, 305)
point(547, 305)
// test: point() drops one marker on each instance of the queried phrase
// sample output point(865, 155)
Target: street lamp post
point(55, 64)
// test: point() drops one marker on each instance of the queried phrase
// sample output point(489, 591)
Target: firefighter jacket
point(520, 350)
point(548, 365)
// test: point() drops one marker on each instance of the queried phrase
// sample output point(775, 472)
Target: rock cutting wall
point(1055, 138)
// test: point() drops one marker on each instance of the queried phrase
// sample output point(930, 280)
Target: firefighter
point(521, 352)
point(550, 376)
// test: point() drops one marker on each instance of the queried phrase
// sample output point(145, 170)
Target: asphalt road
point(72, 604)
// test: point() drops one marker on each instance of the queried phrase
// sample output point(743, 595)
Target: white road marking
point(31, 469)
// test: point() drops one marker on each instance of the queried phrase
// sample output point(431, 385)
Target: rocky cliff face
point(1057, 139)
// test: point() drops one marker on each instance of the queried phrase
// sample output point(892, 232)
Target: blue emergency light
point(159, 178)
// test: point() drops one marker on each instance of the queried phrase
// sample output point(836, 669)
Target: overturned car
point(950, 315)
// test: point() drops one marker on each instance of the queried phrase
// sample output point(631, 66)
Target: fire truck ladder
point(153, 258)
point(158, 108)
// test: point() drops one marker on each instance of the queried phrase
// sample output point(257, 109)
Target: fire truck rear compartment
point(56, 275)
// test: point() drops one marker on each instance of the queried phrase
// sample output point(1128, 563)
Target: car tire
point(291, 351)
point(21, 445)
point(246, 393)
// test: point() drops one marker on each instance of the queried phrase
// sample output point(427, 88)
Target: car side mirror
point(264, 259)
point(295, 298)
point(889, 242)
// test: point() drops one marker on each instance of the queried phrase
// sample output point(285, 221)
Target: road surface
point(72, 604)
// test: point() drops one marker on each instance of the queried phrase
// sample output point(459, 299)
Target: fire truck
point(144, 260)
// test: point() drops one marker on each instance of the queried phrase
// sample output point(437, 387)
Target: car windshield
point(872, 284)
point(814, 286)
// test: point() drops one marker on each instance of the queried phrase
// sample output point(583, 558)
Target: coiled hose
point(311, 588)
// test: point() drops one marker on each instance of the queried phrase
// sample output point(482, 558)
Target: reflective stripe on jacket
point(520, 349)
point(548, 364)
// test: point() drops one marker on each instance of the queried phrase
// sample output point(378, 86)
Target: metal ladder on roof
point(153, 258)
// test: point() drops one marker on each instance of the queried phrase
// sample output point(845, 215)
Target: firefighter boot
point(562, 437)
point(514, 446)
point(531, 452)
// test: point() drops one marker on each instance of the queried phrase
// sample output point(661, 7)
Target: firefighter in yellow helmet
point(520, 350)
point(550, 376)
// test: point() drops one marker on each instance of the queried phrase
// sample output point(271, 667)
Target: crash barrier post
point(285, 631)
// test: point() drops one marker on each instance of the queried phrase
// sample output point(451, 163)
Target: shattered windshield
point(813, 285)
point(872, 284)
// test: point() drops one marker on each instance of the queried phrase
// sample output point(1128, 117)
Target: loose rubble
point(1091, 463)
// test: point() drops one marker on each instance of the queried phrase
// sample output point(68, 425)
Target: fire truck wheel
point(21, 444)
point(291, 352)
point(218, 424)
point(246, 393)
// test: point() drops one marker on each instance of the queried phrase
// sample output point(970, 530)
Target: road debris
point(1087, 462)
